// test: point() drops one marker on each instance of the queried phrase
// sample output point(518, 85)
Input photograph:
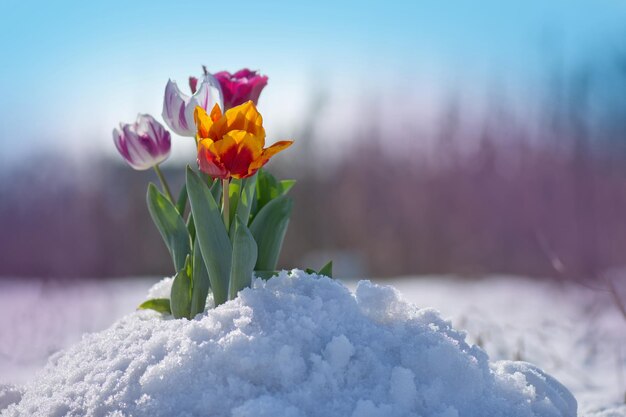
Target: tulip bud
point(240, 87)
point(143, 144)
point(178, 108)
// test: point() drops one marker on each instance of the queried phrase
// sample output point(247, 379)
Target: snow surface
point(574, 332)
point(296, 345)
point(39, 318)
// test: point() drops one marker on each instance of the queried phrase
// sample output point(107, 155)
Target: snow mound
point(297, 345)
point(9, 394)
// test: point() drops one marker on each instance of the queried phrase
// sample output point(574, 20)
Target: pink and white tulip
point(143, 144)
point(178, 107)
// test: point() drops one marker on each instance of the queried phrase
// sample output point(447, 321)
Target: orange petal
point(208, 161)
point(226, 149)
point(216, 112)
point(269, 152)
point(249, 149)
point(245, 117)
point(203, 122)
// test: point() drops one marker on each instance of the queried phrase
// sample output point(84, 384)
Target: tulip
point(231, 145)
point(242, 86)
point(144, 143)
point(178, 108)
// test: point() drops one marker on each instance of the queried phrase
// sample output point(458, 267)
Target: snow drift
point(294, 346)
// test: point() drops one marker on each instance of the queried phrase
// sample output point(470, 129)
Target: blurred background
point(472, 138)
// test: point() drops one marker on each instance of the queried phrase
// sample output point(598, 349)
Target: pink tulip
point(143, 144)
point(240, 87)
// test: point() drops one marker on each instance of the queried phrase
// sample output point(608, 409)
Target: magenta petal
point(240, 87)
point(193, 84)
point(244, 73)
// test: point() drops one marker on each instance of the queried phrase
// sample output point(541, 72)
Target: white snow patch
point(161, 289)
point(572, 331)
point(9, 394)
point(296, 345)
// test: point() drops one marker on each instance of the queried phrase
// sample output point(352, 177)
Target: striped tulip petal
point(178, 107)
point(142, 144)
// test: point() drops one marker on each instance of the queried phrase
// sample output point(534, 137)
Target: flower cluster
point(226, 225)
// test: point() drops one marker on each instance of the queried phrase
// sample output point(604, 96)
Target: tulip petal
point(246, 117)
point(203, 122)
point(216, 113)
point(135, 153)
point(193, 84)
point(248, 149)
point(244, 73)
point(120, 143)
point(209, 95)
point(144, 143)
point(175, 113)
point(241, 86)
point(216, 91)
point(258, 84)
point(208, 160)
point(226, 150)
point(157, 139)
point(269, 152)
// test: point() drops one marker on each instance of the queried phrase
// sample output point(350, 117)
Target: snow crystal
point(297, 345)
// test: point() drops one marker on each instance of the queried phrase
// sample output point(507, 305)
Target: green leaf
point(162, 305)
point(269, 228)
point(216, 190)
point(266, 190)
point(212, 237)
point(191, 227)
point(266, 274)
point(200, 283)
point(181, 203)
point(286, 185)
point(327, 270)
point(180, 296)
point(244, 258)
point(171, 226)
point(234, 190)
point(310, 271)
point(246, 199)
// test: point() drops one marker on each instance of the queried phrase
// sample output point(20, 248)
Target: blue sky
point(71, 70)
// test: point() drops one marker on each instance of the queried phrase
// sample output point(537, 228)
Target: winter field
point(572, 332)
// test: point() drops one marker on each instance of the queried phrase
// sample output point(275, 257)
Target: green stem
point(166, 188)
point(225, 203)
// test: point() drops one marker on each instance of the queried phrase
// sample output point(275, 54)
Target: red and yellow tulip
point(231, 145)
